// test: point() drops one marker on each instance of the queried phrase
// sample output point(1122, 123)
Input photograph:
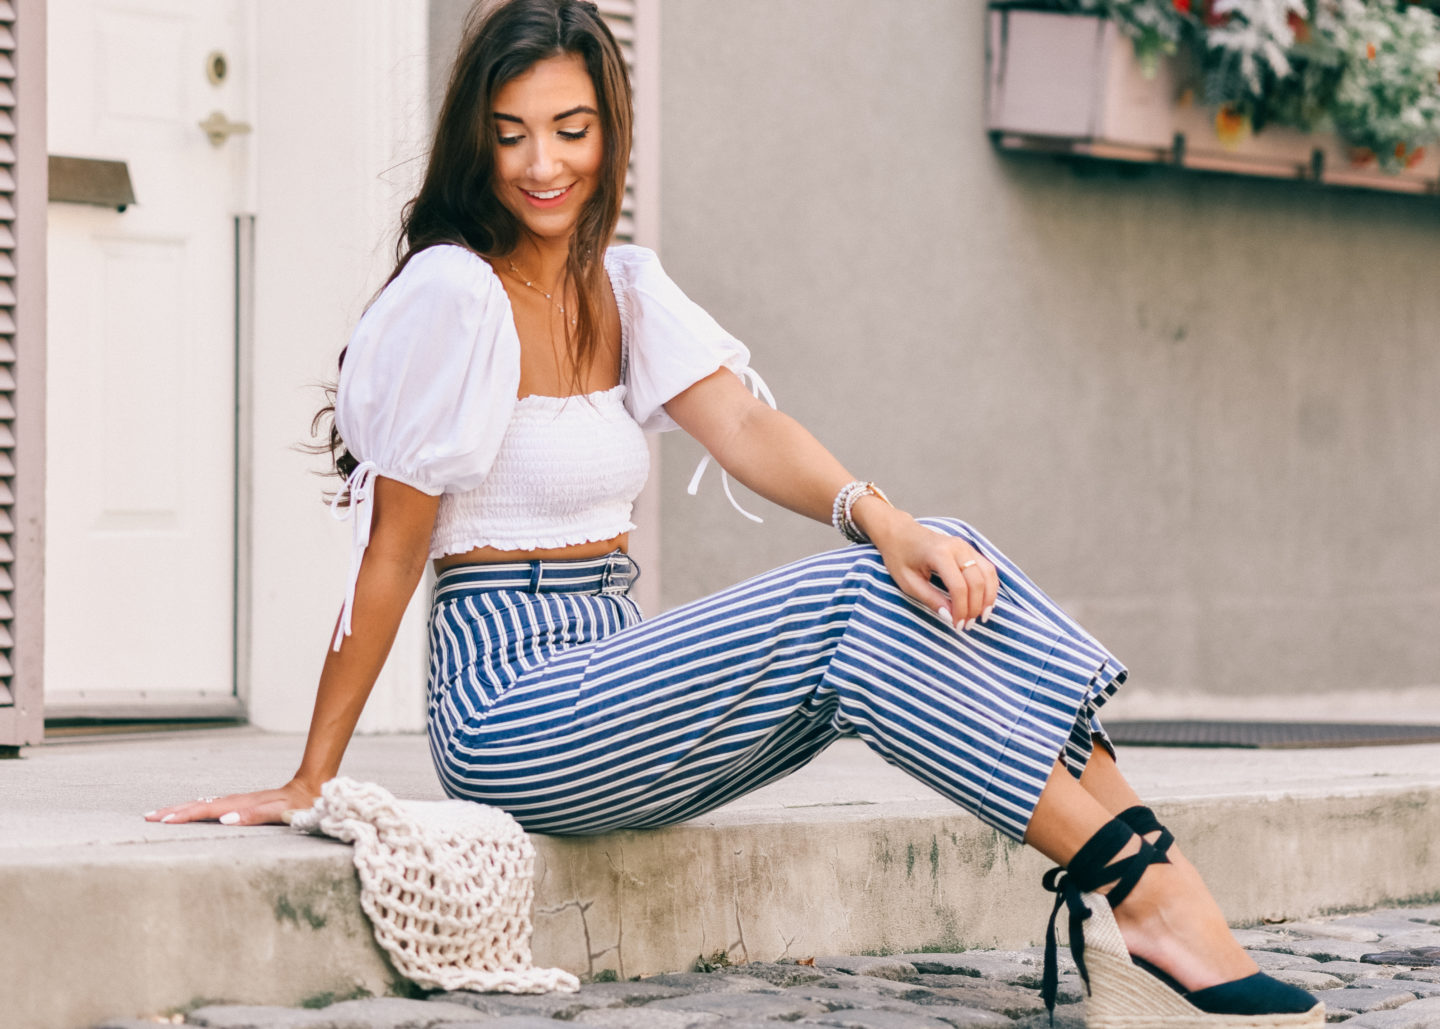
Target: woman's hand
point(264, 807)
point(775, 456)
point(914, 553)
point(404, 519)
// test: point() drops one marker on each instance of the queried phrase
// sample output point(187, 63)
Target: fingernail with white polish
point(148, 814)
point(944, 615)
point(985, 615)
point(230, 819)
point(168, 818)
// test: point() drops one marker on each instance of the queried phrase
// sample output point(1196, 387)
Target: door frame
point(22, 720)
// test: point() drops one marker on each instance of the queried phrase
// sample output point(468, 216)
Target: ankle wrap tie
point(1143, 821)
point(1090, 869)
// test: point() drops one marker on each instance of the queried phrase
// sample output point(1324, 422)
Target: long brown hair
point(457, 202)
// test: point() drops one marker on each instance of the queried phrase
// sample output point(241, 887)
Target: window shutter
point(619, 15)
point(22, 320)
point(7, 349)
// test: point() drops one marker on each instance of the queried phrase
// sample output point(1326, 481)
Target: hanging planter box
point(1278, 151)
point(1070, 83)
point(1344, 166)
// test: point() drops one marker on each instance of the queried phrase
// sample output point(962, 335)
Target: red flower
point(1183, 6)
point(1299, 26)
point(1370, 51)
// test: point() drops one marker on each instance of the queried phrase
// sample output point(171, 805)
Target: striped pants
point(552, 699)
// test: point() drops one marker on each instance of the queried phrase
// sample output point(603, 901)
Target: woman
point(494, 398)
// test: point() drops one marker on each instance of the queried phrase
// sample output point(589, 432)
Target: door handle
point(220, 128)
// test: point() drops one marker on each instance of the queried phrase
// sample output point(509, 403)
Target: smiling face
point(548, 145)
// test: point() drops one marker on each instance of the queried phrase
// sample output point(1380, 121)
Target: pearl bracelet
point(841, 511)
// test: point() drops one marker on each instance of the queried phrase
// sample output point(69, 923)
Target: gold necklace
point(539, 289)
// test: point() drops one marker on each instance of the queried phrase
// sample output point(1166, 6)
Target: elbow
point(402, 559)
point(752, 433)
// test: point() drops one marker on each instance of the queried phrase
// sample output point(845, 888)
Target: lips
point(548, 197)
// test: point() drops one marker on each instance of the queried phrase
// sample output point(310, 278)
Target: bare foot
point(1170, 920)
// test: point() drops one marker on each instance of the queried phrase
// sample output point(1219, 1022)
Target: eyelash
point(572, 137)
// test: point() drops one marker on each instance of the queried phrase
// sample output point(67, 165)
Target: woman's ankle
point(1170, 920)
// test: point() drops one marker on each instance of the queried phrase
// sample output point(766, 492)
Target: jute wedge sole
point(1124, 996)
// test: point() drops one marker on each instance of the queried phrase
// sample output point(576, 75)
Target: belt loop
point(614, 579)
point(535, 573)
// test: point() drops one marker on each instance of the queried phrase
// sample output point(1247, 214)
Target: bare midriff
point(491, 555)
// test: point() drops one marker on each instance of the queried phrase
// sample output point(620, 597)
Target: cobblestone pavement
point(907, 991)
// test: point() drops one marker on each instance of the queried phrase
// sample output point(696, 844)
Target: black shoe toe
point(1257, 994)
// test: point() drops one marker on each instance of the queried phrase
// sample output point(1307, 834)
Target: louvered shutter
point(22, 299)
point(619, 15)
point(634, 24)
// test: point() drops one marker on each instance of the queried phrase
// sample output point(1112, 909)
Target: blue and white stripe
point(553, 700)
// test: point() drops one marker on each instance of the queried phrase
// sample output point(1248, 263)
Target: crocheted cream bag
point(447, 885)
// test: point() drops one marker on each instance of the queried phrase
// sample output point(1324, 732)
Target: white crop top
point(568, 471)
point(427, 396)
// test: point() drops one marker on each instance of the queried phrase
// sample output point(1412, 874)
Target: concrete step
point(105, 914)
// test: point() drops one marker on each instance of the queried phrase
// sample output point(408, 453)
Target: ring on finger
point(969, 564)
point(205, 800)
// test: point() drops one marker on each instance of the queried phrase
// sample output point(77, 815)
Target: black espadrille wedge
point(1126, 993)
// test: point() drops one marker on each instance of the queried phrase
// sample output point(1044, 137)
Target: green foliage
point(713, 962)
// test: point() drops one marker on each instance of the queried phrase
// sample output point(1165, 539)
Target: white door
point(140, 548)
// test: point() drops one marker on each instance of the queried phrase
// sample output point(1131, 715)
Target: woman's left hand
point(914, 554)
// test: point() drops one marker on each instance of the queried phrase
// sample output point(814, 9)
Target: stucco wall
point(1202, 411)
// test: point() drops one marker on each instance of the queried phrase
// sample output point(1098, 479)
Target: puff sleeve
point(426, 389)
point(674, 343)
